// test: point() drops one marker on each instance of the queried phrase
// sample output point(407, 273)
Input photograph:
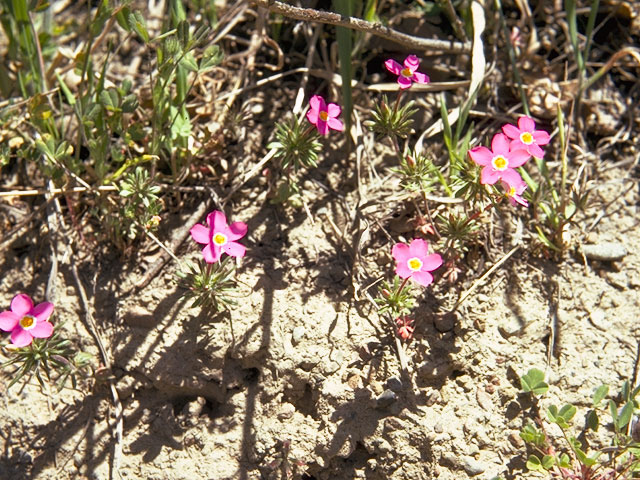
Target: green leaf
point(71, 100)
point(548, 461)
point(533, 381)
point(552, 414)
point(531, 434)
point(345, 40)
point(138, 25)
point(564, 460)
point(122, 18)
point(534, 464)
point(570, 8)
point(189, 63)
point(625, 415)
point(567, 412)
point(613, 410)
point(593, 422)
point(601, 392)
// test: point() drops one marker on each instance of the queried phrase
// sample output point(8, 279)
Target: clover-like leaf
point(533, 382)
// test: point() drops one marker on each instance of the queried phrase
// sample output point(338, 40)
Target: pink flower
point(219, 237)
point(526, 137)
point(323, 116)
point(513, 193)
point(26, 322)
point(408, 74)
point(499, 163)
point(415, 262)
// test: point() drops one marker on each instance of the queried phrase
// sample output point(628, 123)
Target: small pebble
point(139, 317)
point(386, 398)
point(286, 411)
point(297, 335)
point(438, 428)
point(394, 383)
point(473, 467)
point(484, 400)
point(432, 399)
point(516, 440)
point(605, 251)
point(598, 319)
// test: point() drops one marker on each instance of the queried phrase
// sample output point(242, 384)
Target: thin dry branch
point(311, 15)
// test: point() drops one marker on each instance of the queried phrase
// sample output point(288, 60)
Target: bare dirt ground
point(303, 363)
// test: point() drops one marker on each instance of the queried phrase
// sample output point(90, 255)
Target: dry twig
point(311, 15)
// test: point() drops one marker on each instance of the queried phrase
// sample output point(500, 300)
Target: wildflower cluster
point(415, 263)
point(510, 150)
point(298, 147)
point(210, 282)
point(36, 346)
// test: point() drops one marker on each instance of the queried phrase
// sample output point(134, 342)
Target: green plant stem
point(426, 206)
point(512, 58)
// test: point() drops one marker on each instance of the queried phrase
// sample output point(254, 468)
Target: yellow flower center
point(324, 116)
point(219, 239)
point(406, 72)
point(500, 163)
point(414, 264)
point(28, 322)
point(512, 192)
point(526, 138)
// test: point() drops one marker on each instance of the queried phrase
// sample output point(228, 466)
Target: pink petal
point(237, 230)
point(518, 158)
point(335, 124)
point(420, 77)
point(21, 304)
point(42, 311)
point(322, 126)
point(526, 124)
point(520, 200)
point(42, 330)
point(404, 82)
point(211, 253)
point(312, 116)
point(333, 109)
point(412, 63)
point(8, 321)
point(393, 66)
point(500, 144)
point(535, 151)
point(21, 338)
point(511, 131)
point(431, 262)
point(400, 252)
point(489, 176)
point(317, 103)
point(541, 137)
point(234, 249)
point(517, 144)
point(511, 178)
point(423, 278)
point(200, 233)
point(418, 248)
point(217, 221)
point(403, 270)
point(481, 156)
